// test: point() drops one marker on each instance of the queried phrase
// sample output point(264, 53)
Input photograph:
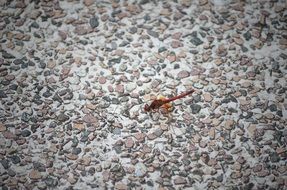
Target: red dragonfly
point(156, 104)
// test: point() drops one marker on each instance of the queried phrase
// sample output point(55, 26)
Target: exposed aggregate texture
point(75, 75)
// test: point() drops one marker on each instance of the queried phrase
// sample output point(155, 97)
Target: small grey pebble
point(11, 172)
point(25, 133)
point(94, 22)
point(76, 150)
point(195, 108)
point(5, 163)
point(15, 159)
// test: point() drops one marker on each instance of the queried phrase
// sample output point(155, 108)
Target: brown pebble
point(171, 57)
point(183, 74)
point(79, 126)
point(72, 180)
point(120, 89)
point(102, 80)
point(86, 161)
point(229, 124)
point(72, 156)
point(207, 97)
point(129, 143)
point(121, 186)
point(51, 64)
point(176, 44)
point(2, 127)
point(212, 134)
point(8, 135)
point(35, 175)
point(151, 136)
point(89, 2)
point(180, 180)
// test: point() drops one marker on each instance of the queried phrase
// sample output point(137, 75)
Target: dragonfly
point(165, 102)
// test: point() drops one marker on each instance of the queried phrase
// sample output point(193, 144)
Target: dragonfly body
point(156, 104)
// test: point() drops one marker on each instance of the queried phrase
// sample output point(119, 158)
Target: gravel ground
point(75, 75)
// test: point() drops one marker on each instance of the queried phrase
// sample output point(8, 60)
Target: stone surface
point(75, 77)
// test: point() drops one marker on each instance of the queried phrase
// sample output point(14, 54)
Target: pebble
point(229, 124)
point(72, 156)
point(221, 50)
point(123, 67)
point(153, 33)
point(183, 74)
point(2, 127)
point(39, 166)
point(198, 85)
point(81, 30)
point(51, 64)
point(90, 119)
point(151, 136)
point(11, 172)
point(140, 170)
point(35, 175)
point(79, 126)
point(72, 180)
point(8, 135)
point(119, 89)
point(171, 57)
point(88, 2)
point(212, 134)
point(82, 72)
point(236, 175)
point(130, 87)
point(195, 108)
point(203, 2)
point(7, 55)
point(129, 143)
point(86, 160)
point(196, 138)
point(238, 41)
point(5, 163)
point(140, 137)
point(176, 44)
point(161, 49)
point(196, 41)
point(133, 30)
point(274, 157)
point(94, 22)
point(63, 117)
point(180, 181)
point(62, 34)
point(282, 169)
point(121, 186)
point(92, 171)
point(106, 175)
point(42, 64)
point(155, 83)
point(15, 159)
point(263, 173)
point(158, 132)
point(25, 133)
point(25, 117)
point(3, 94)
point(207, 97)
